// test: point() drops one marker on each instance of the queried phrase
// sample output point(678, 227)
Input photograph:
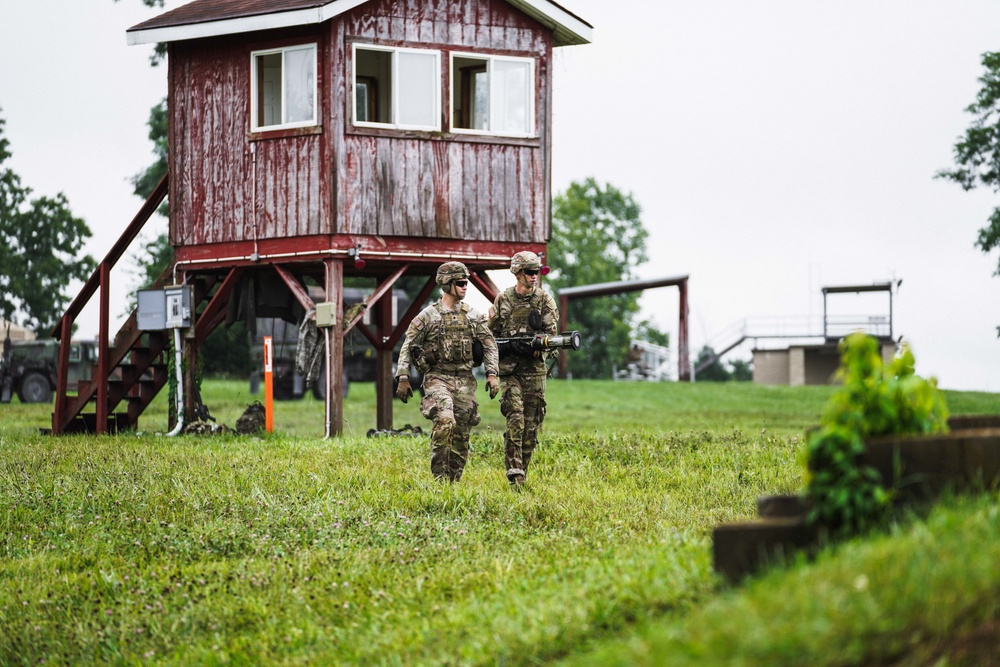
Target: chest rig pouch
point(455, 342)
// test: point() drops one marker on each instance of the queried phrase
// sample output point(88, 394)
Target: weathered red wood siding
point(336, 179)
point(213, 190)
point(450, 186)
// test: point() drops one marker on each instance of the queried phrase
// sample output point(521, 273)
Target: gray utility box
point(168, 308)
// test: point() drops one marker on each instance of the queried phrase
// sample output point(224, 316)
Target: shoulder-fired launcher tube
point(571, 340)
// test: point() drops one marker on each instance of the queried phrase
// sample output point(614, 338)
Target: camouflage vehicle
point(29, 368)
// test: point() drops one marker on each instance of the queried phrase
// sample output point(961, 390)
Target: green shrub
point(873, 400)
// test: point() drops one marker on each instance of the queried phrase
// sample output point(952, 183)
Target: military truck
point(29, 368)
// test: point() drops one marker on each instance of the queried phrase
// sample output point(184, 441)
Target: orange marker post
point(268, 386)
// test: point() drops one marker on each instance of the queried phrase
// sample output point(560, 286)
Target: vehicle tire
point(283, 389)
point(35, 389)
point(319, 388)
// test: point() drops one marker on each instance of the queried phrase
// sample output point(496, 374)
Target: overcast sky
point(775, 146)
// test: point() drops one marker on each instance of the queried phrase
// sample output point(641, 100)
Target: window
point(283, 88)
point(395, 87)
point(493, 94)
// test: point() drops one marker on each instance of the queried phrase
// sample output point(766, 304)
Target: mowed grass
point(293, 549)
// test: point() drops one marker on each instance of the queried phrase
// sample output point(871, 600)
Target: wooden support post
point(59, 421)
point(190, 357)
point(104, 351)
point(683, 354)
point(335, 348)
point(383, 363)
point(563, 320)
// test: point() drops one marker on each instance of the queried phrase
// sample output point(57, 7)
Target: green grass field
point(292, 549)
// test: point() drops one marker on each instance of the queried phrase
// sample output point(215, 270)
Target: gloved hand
point(523, 349)
point(403, 391)
point(493, 384)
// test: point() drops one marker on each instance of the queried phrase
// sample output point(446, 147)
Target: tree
point(146, 181)
point(739, 370)
point(40, 251)
point(160, 51)
point(597, 237)
point(714, 373)
point(977, 153)
point(742, 370)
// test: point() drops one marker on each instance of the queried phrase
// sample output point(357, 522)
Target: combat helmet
point(524, 260)
point(450, 272)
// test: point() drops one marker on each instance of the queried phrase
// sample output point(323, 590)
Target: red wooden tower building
point(311, 140)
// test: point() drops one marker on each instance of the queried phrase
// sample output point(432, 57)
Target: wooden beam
point(375, 296)
point(411, 312)
point(298, 291)
point(383, 365)
point(103, 347)
point(334, 287)
point(216, 308)
point(485, 285)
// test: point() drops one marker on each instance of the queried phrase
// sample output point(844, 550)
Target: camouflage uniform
point(522, 379)
point(445, 339)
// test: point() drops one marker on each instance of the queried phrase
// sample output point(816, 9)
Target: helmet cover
point(524, 260)
point(450, 272)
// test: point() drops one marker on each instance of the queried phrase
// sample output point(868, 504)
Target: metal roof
point(873, 287)
point(210, 18)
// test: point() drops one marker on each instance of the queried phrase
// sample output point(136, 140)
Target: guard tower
point(815, 361)
point(313, 140)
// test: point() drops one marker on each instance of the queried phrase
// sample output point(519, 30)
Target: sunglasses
point(531, 272)
point(461, 283)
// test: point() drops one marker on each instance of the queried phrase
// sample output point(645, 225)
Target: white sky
point(775, 146)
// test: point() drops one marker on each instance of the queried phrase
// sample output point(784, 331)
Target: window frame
point(255, 126)
point(394, 105)
point(489, 58)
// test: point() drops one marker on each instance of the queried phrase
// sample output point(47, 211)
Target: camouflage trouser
point(522, 402)
point(450, 402)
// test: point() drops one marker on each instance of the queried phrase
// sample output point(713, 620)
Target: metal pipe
point(333, 252)
point(178, 358)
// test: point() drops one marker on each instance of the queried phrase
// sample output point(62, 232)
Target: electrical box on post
point(169, 308)
point(326, 314)
point(151, 314)
point(179, 299)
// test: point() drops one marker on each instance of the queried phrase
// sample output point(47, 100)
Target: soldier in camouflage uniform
point(522, 310)
point(440, 342)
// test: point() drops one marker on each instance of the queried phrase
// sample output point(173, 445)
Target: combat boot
point(516, 477)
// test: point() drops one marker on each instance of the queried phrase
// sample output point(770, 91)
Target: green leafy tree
point(40, 251)
point(160, 51)
point(648, 331)
point(597, 237)
point(146, 181)
point(977, 153)
point(739, 370)
point(715, 373)
point(742, 370)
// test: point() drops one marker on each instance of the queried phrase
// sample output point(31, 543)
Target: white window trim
point(254, 93)
point(394, 101)
point(490, 58)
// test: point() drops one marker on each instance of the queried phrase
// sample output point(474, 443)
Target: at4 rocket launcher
point(526, 346)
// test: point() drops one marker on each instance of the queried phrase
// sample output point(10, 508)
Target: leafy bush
point(873, 400)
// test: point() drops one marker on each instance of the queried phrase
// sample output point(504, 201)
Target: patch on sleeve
point(492, 312)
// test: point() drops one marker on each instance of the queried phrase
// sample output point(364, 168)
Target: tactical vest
point(520, 310)
point(454, 344)
point(517, 325)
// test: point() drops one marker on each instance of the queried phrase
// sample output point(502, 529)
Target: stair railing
point(99, 279)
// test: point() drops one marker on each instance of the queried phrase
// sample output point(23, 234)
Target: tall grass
point(293, 549)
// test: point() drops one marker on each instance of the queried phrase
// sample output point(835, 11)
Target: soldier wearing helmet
point(440, 341)
point(522, 310)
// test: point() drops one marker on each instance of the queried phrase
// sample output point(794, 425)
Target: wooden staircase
point(131, 370)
